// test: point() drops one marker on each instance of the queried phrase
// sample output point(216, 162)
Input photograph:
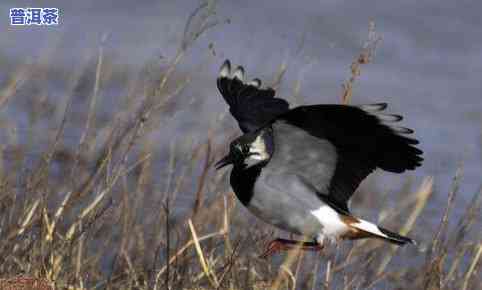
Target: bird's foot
point(279, 244)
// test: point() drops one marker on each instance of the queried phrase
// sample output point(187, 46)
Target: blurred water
point(427, 68)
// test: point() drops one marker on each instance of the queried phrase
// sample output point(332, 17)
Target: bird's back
point(296, 152)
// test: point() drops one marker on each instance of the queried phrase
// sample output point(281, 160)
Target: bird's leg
point(279, 244)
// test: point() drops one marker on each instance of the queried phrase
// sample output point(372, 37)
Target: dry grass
point(95, 216)
point(365, 57)
point(25, 283)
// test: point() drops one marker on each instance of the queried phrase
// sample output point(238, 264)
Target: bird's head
point(249, 150)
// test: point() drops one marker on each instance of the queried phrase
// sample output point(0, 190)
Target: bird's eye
point(238, 148)
point(245, 149)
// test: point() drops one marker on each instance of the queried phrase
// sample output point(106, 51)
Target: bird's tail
point(368, 229)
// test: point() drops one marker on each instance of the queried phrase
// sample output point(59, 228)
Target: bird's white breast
point(333, 225)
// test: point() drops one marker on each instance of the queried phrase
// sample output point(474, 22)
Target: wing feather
point(363, 142)
point(251, 105)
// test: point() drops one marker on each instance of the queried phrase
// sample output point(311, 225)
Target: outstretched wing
point(364, 139)
point(251, 105)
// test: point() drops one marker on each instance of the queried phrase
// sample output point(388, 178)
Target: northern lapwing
point(297, 168)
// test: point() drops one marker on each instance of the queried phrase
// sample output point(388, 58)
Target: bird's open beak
point(228, 159)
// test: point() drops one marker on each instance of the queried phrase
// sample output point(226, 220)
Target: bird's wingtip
point(225, 69)
point(239, 73)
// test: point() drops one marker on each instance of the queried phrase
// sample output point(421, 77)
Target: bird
point(297, 168)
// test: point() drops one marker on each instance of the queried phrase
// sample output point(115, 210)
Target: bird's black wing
point(364, 140)
point(251, 105)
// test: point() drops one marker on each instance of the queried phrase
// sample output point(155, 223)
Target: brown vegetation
point(95, 217)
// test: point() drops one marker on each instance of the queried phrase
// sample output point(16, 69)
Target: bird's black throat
point(242, 181)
